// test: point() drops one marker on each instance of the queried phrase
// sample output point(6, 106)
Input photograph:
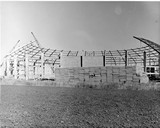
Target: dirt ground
point(60, 107)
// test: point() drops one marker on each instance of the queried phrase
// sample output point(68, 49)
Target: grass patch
point(43, 106)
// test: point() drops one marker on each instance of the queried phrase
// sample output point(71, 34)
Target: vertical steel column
point(159, 63)
point(60, 57)
point(8, 67)
point(126, 58)
point(144, 61)
point(149, 58)
point(15, 67)
point(34, 69)
point(42, 65)
point(104, 59)
point(5, 67)
point(26, 66)
point(81, 60)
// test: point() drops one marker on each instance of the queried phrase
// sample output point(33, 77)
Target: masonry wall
point(97, 76)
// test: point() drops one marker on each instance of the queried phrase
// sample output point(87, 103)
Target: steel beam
point(15, 67)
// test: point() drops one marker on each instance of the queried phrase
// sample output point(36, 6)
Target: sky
point(79, 25)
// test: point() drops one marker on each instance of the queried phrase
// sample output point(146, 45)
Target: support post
point(5, 68)
point(26, 67)
point(104, 60)
point(42, 65)
point(81, 60)
point(149, 58)
point(15, 67)
point(8, 67)
point(34, 69)
point(144, 61)
point(126, 58)
point(159, 63)
point(60, 58)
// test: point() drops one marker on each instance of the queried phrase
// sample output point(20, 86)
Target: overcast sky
point(79, 25)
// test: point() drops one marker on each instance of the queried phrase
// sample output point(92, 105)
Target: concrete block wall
point(96, 75)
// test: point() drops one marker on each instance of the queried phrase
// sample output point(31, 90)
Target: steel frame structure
point(39, 56)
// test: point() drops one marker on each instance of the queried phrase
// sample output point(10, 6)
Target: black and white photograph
point(80, 64)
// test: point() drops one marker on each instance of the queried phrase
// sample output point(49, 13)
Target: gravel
point(45, 107)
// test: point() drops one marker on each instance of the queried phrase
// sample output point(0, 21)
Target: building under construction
point(35, 62)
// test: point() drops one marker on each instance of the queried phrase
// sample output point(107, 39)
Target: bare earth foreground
point(44, 107)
